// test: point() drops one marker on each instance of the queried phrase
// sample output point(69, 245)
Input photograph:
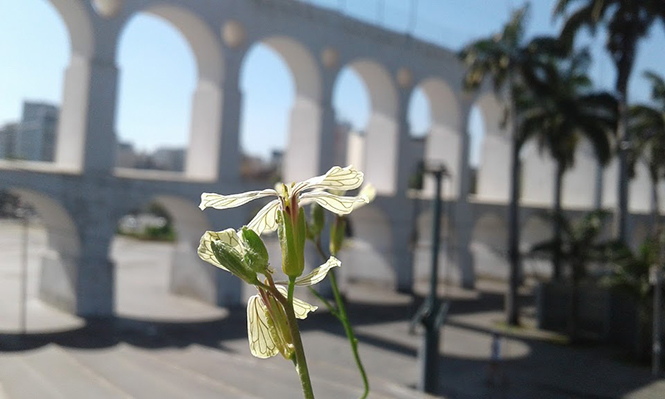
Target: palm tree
point(647, 127)
point(579, 247)
point(508, 59)
point(627, 22)
point(631, 276)
point(559, 113)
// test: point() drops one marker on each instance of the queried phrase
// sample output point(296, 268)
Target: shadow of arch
point(488, 243)
point(202, 157)
point(381, 140)
point(537, 228)
point(443, 143)
point(422, 252)
point(58, 285)
point(368, 254)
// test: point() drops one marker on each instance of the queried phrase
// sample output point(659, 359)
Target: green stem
point(326, 302)
point(344, 319)
point(300, 361)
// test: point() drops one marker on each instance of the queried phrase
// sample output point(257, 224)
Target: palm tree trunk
point(512, 307)
point(624, 67)
point(655, 207)
point(558, 215)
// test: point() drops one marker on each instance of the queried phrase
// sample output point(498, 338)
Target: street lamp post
point(432, 314)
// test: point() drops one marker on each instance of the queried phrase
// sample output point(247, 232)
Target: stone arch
point(369, 250)
point(488, 245)
point(175, 268)
point(302, 154)
point(443, 142)
point(381, 139)
point(70, 142)
point(205, 124)
point(493, 175)
point(58, 275)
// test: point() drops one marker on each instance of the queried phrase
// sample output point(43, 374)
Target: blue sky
point(158, 72)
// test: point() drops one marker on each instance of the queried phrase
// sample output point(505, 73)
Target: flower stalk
point(272, 314)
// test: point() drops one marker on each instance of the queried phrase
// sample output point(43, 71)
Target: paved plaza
point(163, 346)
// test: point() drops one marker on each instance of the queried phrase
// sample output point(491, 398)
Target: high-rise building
point(8, 141)
point(32, 139)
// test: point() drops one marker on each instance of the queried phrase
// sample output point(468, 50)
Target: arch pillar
point(402, 167)
point(228, 168)
point(99, 144)
point(402, 257)
point(86, 139)
point(463, 218)
point(329, 139)
point(94, 278)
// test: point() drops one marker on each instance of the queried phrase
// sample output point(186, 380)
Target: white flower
point(266, 338)
point(303, 193)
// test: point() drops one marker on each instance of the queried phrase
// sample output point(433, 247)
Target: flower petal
point(318, 274)
point(341, 205)
point(219, 201)
point(265, 220)
point(261, 342)
point(369, 193)
point(228, 236)
point(337, 178)
point(300, 307)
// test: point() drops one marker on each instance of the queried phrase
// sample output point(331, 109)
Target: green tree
point(508, 59)
point(627, 21)
point(559, 113)
point(630, 275)
point(647, 128)
point(579, 247)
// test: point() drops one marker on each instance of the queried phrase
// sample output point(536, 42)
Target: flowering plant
point(272, 313)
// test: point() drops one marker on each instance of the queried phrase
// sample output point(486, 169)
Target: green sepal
point(256, 254)
point(337, 233)
point(232, 260)
point(292, 242)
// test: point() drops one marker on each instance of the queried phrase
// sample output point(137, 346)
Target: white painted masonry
point(81, 196)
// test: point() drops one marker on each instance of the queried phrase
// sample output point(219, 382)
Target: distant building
point(125, 155)
point(169, 159)
point(8, 140)
point(33, 138)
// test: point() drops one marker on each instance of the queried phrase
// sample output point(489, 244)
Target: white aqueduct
point(81, 196)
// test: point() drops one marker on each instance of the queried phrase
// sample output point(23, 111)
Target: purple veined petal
point(265, 220)
point(300, 307)
point(218, 201)
point(261, 342)
point(339, 204)
point(337, 178)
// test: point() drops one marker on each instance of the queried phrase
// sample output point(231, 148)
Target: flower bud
point(231, 259)
point(256, 254)
point(337, 233)
point(278, 326)
point(317, 221)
